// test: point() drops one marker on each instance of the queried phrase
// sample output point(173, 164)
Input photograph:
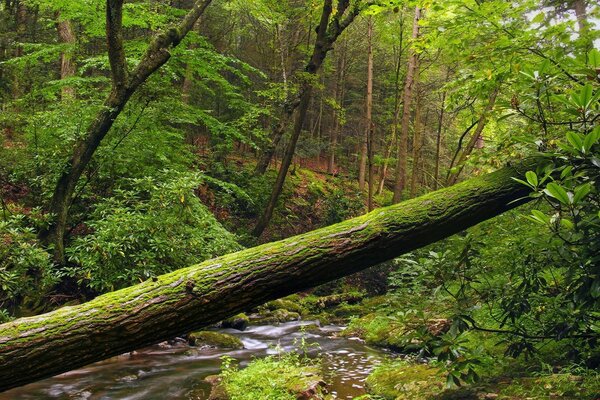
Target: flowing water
point(177, 371)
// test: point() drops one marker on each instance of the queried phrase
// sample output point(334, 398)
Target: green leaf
point(567, 223)
point(594, 58)
point(590, 140)
point(581, 192)
point(539, 18)
point(558, 192)
point(585, 95)
point(522, 182)
point(566, 171)
point(539, 217)
point(575, 140)
point(532, 178)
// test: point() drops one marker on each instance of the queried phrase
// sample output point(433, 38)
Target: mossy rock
point(276, 316)
point(345, 310)
point(214, 339)
point(405, 381)
point(286, 304)
point(239, 322)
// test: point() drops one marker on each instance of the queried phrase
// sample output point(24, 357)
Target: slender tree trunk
point(438, 141)
point(369, 131)
point(191, 298)
point(364, 143)
point(417, 142)
point(339, 98)
point(394, 134)
point(67, 65)
point(276, 135)
point(400, 182)
point(466, 152)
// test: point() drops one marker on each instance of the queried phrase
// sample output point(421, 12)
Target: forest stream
point(177, 370)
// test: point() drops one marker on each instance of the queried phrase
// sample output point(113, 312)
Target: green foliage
point(340, 205)
point(26, 270)
point(152, 227)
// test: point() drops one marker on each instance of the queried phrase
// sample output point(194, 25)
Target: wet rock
point(239, 322)
point(214, 339)
point(314, 391)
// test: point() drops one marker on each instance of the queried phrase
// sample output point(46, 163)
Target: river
point(177, 371)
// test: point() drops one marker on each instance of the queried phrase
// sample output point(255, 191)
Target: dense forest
point(414, 184)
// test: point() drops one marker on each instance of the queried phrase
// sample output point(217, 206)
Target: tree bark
point(393, 138)
point(37, 347)
point(67, 65)
point(337, 112)
point(400, 182)
point(438, 139)
point(124, 85)
point(417, 141)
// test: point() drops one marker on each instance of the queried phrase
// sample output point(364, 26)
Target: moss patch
point(215, 339)
point(281, 378)
point(404, 380)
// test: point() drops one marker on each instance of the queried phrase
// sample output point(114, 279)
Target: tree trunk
point(67, 65)
point(438, 140)
point(369, 132)
point(393, 138)
point(191, 298)
point(417, 143)
point(267, 155)
point(400, 182)
point(337, 119)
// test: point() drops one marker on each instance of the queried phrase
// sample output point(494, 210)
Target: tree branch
point(114, 39)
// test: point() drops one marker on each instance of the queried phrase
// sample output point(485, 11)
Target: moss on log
point(195, 297)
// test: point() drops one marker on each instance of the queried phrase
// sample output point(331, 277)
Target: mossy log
point(195, 297)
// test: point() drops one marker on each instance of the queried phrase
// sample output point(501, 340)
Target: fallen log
point(191, 298)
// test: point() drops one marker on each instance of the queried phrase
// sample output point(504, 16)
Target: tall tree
point(370, 128)
point(67, 64)
point(417, 139)
point(338, 107)
point(402, 152)
point(396, 113)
